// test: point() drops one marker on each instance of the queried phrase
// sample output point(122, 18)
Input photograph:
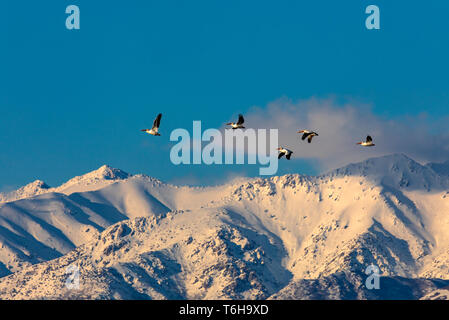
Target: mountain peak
point(89, 181)
point(382, 162)
point(103, 173)
point(108, 173)
point(34, 188)
point(396, 170)
point(394, 157)
point(37, 184)
point(31, 189)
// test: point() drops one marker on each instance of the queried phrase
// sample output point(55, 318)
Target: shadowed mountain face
point(289, 237)
point(440, 168)
point(438, 294)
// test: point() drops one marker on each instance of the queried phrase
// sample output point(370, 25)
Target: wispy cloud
point(340, 126)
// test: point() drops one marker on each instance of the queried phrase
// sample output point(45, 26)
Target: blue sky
point(72, 100)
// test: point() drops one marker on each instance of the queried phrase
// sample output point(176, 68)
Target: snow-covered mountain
point(91, 181)
point(399, 171)
point(288, 237)
point(32, 189)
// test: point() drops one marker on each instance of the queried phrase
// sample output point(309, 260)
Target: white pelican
point(307, 134)
point(156, 123)
point(367, 143)
point(238, 124)
point(284, 151)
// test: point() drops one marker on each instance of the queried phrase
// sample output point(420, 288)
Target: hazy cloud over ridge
point(341, 126)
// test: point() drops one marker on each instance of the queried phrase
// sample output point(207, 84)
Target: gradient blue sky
point(71, 101)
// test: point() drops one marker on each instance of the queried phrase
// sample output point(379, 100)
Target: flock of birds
point(306, 134)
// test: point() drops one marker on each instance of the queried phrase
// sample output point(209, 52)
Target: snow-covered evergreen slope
point(281, 237)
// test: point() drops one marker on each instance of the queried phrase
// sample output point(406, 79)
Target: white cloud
point(340, 127)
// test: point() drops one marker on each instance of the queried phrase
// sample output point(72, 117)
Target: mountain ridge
point(106, 172)
point(302, 228)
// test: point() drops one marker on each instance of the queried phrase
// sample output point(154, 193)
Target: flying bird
point(154, 131)
point(367, 143)
point(307, 134)
point(238, 124)
point(284, 151)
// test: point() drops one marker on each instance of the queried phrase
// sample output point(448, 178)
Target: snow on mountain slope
point(49, 225)
point(163, 257)
point(397, 171)
point(94, 180)
point(388, 211)
point(34, 188)
point(337, 224)
point(46, 227)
